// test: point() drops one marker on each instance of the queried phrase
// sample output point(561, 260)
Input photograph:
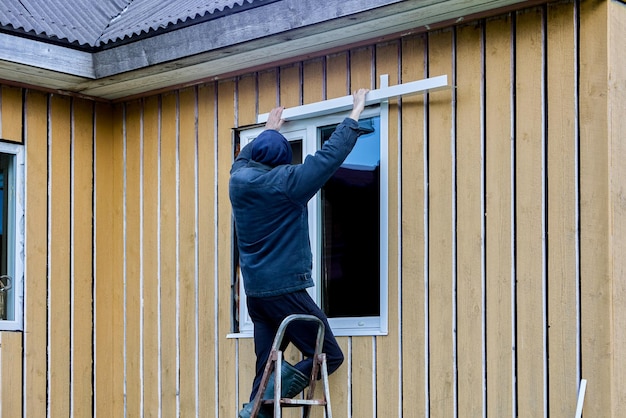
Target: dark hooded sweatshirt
point(270, 210)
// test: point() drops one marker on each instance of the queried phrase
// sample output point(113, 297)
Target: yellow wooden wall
point(506, 235)
point(48, 368)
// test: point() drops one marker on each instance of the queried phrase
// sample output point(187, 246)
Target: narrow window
point(11, 236)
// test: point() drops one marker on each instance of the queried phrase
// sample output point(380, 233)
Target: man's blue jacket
point(271, 218)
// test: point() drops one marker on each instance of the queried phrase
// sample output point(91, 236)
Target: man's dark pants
point(267, 313)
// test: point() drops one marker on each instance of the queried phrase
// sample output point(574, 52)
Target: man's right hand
point(358, 105)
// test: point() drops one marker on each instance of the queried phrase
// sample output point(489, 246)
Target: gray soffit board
point(182, 45)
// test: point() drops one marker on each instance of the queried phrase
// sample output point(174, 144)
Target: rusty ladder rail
point(274, 363)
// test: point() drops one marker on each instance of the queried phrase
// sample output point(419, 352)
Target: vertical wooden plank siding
point(105, 275)
point(187, 254)
point(413, 256)
point(11, 113)
point(617, 175)
point(10, 373)
point(562, 210)
point(441, 148)
point(246, 100)
point(150, 354)
point(116, 288)
point(169, 276)
point(498, 209)
point(289, 95)
point(530, 214)
point(361, 69)
point(313, 83)
point(58, 255)
point(35, 287)
point(268, 91)
point(596, 155)
point(468, 77)
point(506, 232)
point(82, 261)
point(337, 78)
point(208, 367)
point(132, 260)
point(229, 400)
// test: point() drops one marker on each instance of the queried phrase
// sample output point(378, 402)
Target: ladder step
point(297, 402)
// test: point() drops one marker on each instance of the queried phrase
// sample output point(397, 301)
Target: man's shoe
point(264, 412)
point(292, 380)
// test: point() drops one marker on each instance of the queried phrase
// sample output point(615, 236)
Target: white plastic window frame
point(307, 131)
point(15, 237)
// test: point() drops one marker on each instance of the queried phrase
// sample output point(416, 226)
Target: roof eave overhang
point(252, 39)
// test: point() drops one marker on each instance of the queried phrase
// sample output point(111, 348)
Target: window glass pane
point(11, 236)
point(296, 150)
point(6, 293)
point(350, 214)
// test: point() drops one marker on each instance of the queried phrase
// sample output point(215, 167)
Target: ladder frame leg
point(327, 408)
point(320, 360)
point(277, 384)
point(270, 367)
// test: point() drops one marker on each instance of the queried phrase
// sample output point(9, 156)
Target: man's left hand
point(275, 120)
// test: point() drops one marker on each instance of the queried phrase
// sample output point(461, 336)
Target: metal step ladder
point(274, 363)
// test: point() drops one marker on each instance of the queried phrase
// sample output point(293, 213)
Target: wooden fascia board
point(46, 56)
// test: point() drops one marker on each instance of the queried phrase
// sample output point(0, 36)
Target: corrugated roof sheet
point(96, 22)
point(73, 21)
point(143, 16)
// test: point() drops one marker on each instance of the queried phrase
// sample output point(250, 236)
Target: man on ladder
point(269, 199)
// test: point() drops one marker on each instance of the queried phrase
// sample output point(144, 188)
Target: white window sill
point(338, 333)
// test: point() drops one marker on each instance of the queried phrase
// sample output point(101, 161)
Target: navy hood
point(271, 148)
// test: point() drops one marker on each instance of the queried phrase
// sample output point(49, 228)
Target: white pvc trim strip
point(377, 96)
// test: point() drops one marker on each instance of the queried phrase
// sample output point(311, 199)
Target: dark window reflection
point(350, 282)
point(6, 295)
